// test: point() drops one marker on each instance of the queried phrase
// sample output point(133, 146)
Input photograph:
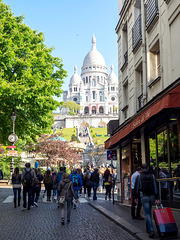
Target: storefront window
point(163, 151)
point(174, 148)
point(152, 151)
point(126, 174)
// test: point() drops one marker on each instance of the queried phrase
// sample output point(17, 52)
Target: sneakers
point(35, 203)
point(139, 218)
point(105, 197)
point(63, 221)
point(151, 235)
point(23, 209)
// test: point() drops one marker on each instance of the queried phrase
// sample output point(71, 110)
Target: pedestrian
point(139, 205)
point(87, 178)
point(107, 183)
point(145, 185)
point(16, 182)
point(48, 181)
point(95, 182)
point(79, 171)
point(164, 184)
point(177, 174)
point(66, 189)
point(1, 174)
point(28, 178)
point(84, 181)
point(77, 184)
point(59, 175)
point(36, 188)
point(54, 173)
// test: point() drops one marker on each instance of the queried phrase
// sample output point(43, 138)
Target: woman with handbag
point(107, 183)
point(65, 193)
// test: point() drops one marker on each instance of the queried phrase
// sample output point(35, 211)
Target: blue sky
point(68, 26)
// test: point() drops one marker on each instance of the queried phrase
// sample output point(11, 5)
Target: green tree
point(72, 106)
point(29, 78)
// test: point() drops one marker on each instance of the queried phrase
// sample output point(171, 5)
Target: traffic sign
point(111, 155)
point(11, 146)
point(12, 153)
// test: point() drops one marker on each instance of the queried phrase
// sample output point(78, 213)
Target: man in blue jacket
point(77, 183)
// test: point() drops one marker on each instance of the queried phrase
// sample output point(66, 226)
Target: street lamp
point(12, 139)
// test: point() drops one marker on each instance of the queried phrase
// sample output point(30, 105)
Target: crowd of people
point(59, 185)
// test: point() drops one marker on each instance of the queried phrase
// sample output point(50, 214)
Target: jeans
point(35, 192)
point(15, 190)
point(108, 191)
point(147, 202)
point(63, 207)
point(27, 189)
point(94, 186)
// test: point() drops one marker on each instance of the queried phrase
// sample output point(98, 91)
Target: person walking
point(36, 188)
point(66, 189)
point(87, 178)
point(145, 185)
point(1, 175)
point(77, 184)
point(95, 182)
point(54, 173)
point(28, 178)
point(48, 181)
point(139, 205)
point(16, 183)
point(107, 183)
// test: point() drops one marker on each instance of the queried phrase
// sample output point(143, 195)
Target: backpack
point(28, 177)
point(74, 179)
point(147, 182)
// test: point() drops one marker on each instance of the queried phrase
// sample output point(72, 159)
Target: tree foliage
point(50, 147)
point(29, 78)
point(72, 106)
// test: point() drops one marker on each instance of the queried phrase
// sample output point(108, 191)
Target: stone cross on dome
point(93, 42)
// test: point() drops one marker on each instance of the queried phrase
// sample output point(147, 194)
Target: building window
point(94, 83)
point(86, 98)
point(112, 89)
point(86, 79)
point(154, 63)
point(89, 78)
point(75, 89)
point(97, 78)
point(124, 58)
point(139, 86)
point(94, 95)
point(101, 79)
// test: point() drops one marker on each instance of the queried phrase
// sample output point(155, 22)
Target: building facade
point(149, 93)
point(95, 91)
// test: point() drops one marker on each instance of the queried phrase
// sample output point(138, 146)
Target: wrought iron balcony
point(125, 61)
point(123, 7)
point(136, 33)
point(152, 12)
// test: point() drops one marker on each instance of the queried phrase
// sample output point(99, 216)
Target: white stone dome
point(94, 57)
point(112, 79)
point(75, 79)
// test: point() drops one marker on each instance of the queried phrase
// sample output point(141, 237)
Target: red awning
point(171, 100)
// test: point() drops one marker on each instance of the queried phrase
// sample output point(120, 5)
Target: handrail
point(167, 179)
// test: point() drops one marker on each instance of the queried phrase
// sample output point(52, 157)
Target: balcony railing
point(125, 61)
point(123, 7)
point(152, 12)
point(136, 33)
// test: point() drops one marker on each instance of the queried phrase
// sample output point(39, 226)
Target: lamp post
point(12, 139)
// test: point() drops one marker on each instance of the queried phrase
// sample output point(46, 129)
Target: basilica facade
point(94, 90)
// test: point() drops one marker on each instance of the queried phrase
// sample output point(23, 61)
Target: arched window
point(86, 110)
point(101, 110)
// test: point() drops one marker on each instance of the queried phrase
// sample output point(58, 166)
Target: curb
point(134, 231)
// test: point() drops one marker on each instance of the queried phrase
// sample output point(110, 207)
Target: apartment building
point(149, 93)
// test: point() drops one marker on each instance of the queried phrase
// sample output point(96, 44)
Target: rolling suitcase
point(165, 222)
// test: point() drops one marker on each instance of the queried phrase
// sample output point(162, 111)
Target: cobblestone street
point(44, 222)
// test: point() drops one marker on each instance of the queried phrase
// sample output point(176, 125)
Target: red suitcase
point(165, 222)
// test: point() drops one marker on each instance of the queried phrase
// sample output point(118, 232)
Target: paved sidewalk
point(121, 215)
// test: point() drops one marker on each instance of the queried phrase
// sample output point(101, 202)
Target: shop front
point(152, 137)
